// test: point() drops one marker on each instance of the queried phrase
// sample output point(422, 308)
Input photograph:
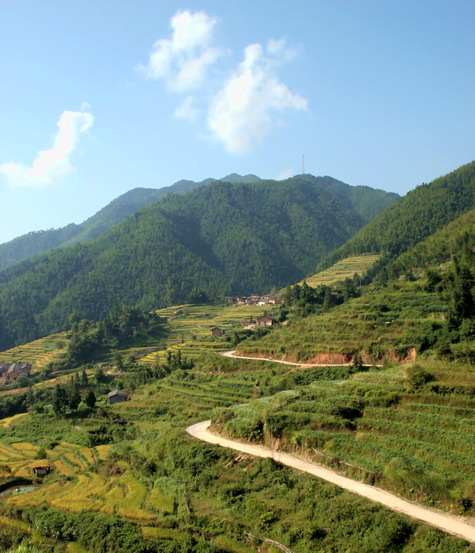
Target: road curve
point(232, 354)
point(451, 524)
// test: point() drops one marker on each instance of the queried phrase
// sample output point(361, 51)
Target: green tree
point(91, 399)
point(74, 398)
point(60, 400)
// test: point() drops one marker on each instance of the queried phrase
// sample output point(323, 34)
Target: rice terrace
point(275, 357)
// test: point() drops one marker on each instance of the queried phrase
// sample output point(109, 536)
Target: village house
point(216, 332)
point(117, 396)
point(41, 471)
point(269, 299)
point(12, 371)
point(265, 320)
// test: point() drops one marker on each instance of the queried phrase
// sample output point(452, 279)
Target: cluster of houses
point(269, 299)
point(12, 371)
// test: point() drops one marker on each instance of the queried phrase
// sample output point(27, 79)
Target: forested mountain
point(33, 243)
point(438, 248)
point(418, 215)
point(224, 238)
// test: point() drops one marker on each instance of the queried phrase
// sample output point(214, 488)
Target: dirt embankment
point(408, 356)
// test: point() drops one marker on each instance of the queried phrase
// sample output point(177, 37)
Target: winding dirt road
point(232, 354)
point(448, 523)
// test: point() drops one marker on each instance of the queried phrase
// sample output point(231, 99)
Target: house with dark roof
point(117, 396)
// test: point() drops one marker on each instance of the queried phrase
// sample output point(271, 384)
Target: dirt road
point(448, 523)
point(272, 360)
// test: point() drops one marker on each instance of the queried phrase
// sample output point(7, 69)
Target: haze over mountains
point(222, 237)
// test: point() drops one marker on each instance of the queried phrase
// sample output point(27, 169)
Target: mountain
point(234, 178)
point(33, 243)
point(413, 218)
point(224, 238)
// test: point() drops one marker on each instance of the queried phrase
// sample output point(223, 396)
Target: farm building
point(265, 320)
point(12, 371)
point(117, 396)
point(42, 470)
point(216, 332)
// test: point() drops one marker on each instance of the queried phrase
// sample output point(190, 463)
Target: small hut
point(117, 396)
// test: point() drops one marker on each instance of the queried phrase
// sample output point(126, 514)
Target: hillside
point(413, 218)
point(130, 468)
point(380, 324)
point(34, 243)
point(224, 238)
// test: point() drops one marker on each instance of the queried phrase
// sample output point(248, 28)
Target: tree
point(83, 383)
point(91, 399)
point(198, 295)
point(74, 398)
point(60, 400)
point(463, 304)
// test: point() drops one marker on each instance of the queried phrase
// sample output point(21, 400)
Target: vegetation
point(418, 215)
point(34, 243)
point(127, 476)
point(222, 238)
point(153, 488)
point(406, 429)
point(346, 268)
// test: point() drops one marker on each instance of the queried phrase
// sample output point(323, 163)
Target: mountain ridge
point(225, 238)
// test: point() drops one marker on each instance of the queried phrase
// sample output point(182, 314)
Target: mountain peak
point(234, 178)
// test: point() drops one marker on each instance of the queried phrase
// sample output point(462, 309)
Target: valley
point(364, 370)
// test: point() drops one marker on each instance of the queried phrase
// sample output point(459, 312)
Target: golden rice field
point(39, 353)
point(10, 421)
point(73, 486)
point(346, 268)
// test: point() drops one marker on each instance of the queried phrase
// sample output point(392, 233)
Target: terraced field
point(418, 443)
point(39, 353)
point(89, 478)
point(378, 323)
point(346, 268)
point(80, 480)
point(189, 328)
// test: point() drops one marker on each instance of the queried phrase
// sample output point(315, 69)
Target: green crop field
point(416, 440)
point(380, 323)
point(189, 327)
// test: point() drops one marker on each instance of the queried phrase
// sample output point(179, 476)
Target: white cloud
point(243, 111)
point(187, 110)
point(183, 60)
point(285, 174)
point(53, 163)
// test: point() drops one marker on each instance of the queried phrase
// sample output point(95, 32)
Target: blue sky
point(100, 96)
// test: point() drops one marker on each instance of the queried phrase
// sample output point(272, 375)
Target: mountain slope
point(225, 238)
point(411, 219)
point(33, 243)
